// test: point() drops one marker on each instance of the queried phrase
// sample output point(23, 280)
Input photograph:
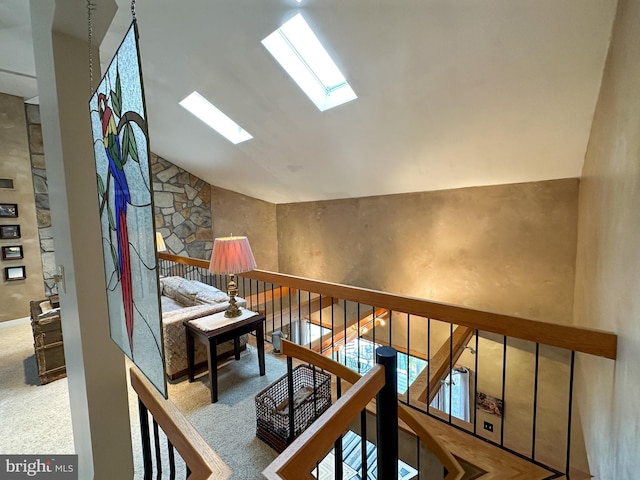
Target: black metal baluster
point(408, 360)
point(535, 403)
point(428, 363)
point(363, 442)
point(358, 339)
point(299, 341)
point(570, 414)
point(504, 386)
point(146, 440)
point(273, 316)
point(338, 444)
point(344, 338)
point(475, 387)
point(156, 439)
point(333, 340)
point(390, 329)
point(273, 307)
point(309, 319)
point(172, 460)
point(373, 325)
point(290, 315)
point(281, 311)
point(338, 467)
point(290, 398)
point(320, 339)
point(450, 369)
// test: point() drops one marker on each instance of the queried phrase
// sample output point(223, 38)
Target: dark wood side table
point(214, 329)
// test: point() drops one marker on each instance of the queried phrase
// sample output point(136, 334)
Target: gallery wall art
point(12, 252)
point(8, 210)
point(9, 231)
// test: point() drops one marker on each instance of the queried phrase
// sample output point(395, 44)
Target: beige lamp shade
point(231, 255)
point(160, 246)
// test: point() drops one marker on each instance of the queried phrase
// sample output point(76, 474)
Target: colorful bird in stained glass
point(122, 198)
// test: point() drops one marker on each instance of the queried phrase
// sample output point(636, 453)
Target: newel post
point(387, 415)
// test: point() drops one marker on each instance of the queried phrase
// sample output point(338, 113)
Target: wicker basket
point(311, 399)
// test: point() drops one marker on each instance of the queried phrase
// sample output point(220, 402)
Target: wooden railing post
point(387, 415)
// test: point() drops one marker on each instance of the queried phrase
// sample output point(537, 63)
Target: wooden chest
point(48, 341)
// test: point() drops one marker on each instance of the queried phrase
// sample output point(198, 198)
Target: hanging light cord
point(133, 10)
point(90, 8)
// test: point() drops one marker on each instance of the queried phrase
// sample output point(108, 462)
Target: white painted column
point(95, 366)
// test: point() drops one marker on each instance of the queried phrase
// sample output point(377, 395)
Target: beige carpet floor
point(36, 418)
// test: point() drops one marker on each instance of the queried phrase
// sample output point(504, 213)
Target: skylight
point(300, 53)
point(212, 116)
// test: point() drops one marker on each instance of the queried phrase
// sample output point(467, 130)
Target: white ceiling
point(452, 93)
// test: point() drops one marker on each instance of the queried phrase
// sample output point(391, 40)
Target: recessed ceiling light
point(300, 53)
point(212, 116)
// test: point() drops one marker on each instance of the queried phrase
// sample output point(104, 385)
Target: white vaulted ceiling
point(451, 93)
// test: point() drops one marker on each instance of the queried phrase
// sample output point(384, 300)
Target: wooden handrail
point(591, 341)
point(191, 262)
point(316, 441)
point(262, 298)
point(204, 463)
point(299, 458)
point(306, 355)
point(413, 420)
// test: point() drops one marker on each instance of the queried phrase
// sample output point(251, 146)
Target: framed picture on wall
point(6, 184)
point(489, 404)
point(9, 231)
point(12, 252)
point(15, 273)
point(9, 210)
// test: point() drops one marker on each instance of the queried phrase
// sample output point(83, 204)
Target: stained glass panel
point(121, 148)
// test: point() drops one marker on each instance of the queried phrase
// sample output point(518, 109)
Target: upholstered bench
point(182, 300)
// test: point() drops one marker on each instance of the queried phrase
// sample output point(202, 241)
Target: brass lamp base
point(232, 290)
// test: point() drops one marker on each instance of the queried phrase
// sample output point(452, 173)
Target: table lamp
point(160, 245)
point(231, 255)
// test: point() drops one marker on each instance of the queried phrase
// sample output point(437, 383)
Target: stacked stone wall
point(41, 191)
point(182, 208)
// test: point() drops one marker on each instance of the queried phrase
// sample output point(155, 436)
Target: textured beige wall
point(507, 248)
point(607, 294)
point(234, 213)
point(15, 163)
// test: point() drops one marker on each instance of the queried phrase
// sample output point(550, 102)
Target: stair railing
point(201, 462)
point(346, 323)
point(305, 452)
